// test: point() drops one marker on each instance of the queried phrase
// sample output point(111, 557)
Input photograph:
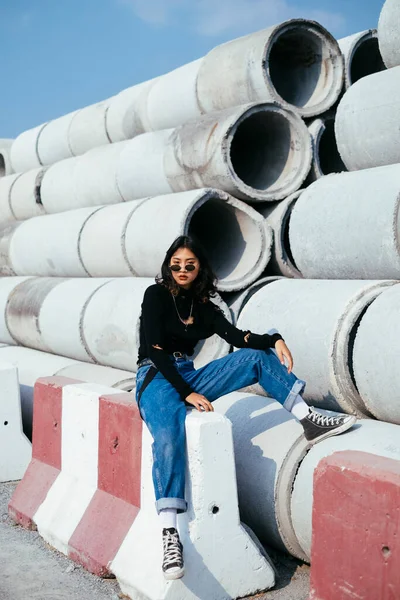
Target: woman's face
point(185, 258)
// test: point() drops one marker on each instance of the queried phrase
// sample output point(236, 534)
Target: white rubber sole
point(174, 575)
point(333, 432)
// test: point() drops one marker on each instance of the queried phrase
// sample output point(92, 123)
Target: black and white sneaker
point(318, 427)
point(173, 558)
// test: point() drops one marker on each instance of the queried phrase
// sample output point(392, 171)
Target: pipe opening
point(231, 239)
point(366, 60)
point(2, 165)
point(296, 66)
point(261, 150)
point(329, 158)
point(352, 341)
point(286, 239)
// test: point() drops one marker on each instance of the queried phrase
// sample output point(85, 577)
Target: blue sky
point(59, 55)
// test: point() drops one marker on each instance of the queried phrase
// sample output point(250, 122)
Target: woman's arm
point(239, 338)
point(154, 331)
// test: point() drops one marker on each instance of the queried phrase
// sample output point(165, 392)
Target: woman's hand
point(200, 402)
point(283, 353)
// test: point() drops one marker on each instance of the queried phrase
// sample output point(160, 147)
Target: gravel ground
point(32, 570)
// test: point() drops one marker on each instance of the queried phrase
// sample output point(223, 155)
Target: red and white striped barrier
point(89, 492)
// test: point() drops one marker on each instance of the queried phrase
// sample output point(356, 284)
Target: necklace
point(189, 320)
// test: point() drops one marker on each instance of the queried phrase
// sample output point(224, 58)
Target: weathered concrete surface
point(49, 575)
point(376, 374)
point(389, 33)
point(362, 56)
point(338, 224)
point(356, 506)
point(367, 119)
point(317, 319)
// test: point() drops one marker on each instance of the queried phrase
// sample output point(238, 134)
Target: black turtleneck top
point(160, 326)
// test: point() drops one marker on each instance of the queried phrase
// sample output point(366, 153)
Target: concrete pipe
point(254, 152)
point(6, 184)
point(326, 157)
point(118, 241)
point(367, 121)
point(297, 63)
point(124, 113)
point(100, 320)
point(53, 143)
point(87, 180)
point(7, 285)
point(362, 56)
point(24, 151)
point(381, 439)
point(25, 200)
point(87, 129)
point(269, 446)
point(237, 300)
point(5, 157)
point(55, 239)
point(338, 224)
point(374, 357)
point(277, 216)
point(389, 33)
point(318, 320)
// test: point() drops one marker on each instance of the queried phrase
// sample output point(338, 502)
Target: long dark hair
point(204, 286)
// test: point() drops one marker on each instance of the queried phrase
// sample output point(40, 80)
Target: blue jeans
point(164, 412)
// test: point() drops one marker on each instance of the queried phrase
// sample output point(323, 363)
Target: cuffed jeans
point(164, 412)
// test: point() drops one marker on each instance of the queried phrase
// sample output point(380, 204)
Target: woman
point(177, 312)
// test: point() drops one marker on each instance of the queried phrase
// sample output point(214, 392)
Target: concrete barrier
point(318, 320)
point(366, 121)
point(388, 33)
point(15, 449)
point(374, 437)
point(326, 157)
point(5, 157)
point(118, 240)
point(375, 373)
point(355, 505)
point(100, 319)
point(362, 56)
point(269, 446)
point(111, 499)
point(277, 216)
point(338, 224)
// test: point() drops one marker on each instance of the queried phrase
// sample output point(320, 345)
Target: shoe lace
point(172, 548)
point(320, 419)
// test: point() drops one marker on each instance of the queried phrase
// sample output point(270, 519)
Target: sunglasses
point(187, 268)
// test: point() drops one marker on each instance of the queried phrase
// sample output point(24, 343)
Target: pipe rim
point(336, 71)
point(365, 37)
point(300, 152)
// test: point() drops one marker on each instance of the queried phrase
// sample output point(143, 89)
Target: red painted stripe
point(101, 531)
point(31, 492)
point(120, 448)
point(47, 426)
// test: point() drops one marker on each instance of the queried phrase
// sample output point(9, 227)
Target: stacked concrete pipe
point(389, 33)
point(362, 56)
point(277, 216)
point(338, 225)
point(367, 121)
point(326, 157)
point(20, 196)
point(91, 320)
point(256, 152)
point(131, 239)
point(318, 320)
point(5, 158)
point(275, 473)
point(70, 135)
point(375, 357)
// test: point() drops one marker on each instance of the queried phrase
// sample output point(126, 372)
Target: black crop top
point(161, 326)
